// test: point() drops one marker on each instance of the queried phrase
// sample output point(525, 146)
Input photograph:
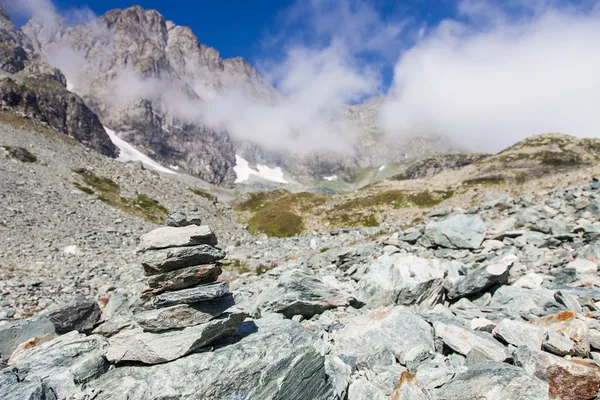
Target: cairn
point(186, 307)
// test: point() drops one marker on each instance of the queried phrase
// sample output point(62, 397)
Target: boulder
point(166, 260)
point(463, 341)
point(409, 387)
point(520, 333)
point(493, 381)
point(456, 232)
point(80, 314)
point(300, 292)
point(362, 389)
point(404, 280)
point(570, 325)
point(181, 279)
point(193, 295)
point(567, 379)
point(154, 348)
point(13, 388)
point(181, 218)
point(269, 358)
point(169, 236)
point(384, 334)
point(483, 278)
point(15, 333)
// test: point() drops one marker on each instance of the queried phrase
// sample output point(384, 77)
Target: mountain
point(34, 89)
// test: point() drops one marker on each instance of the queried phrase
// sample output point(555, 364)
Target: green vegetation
point(108, 191)
point(202, 193)
point(487, 181)
point(324, 249)
point(276, 221)
point(20, 154)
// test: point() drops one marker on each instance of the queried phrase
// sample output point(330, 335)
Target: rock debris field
point(499, 301)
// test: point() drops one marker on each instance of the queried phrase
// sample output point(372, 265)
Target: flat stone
point(482, 325)
point(14, 388)
point(493, 381)
point(570, 325)
point(404, 280)
point(169, 236)
point(456, 232)
point(181, 279)
point(395, 331)
point(15, 333)
point(166, 260)
point(583, 266)
point(193, 295)
point(183, 315)
point(529, 281)
point(483, 278)
point(463, 341)
point(409, 387)
point(577, 379)
point(569, 301)
point(300, 292)
point(182, 218)
point(154, 348)
point(80, 314)
point(519, 333)
point(362, 389)
point(558, 344)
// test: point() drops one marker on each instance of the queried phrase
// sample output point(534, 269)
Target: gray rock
point(183, 218)
point(397, 332)
point(339, 372)
point(155, 348)
point(463, 341)
point(269, 358)
point(13, 388)
point(193, 295)
point(409, 387)
point(183, 315)
point(63, 363)
point(405, 280)
point(80, 314)
point(483, 278)
point(15, 333)
point(493, 381)
point(519, 333)
point(181, 279)
point(456, 232)
point(169, 236)
point(167, 260)
point(300, 292)
point(583, 266)
point(558, 344)
point(362, 389)
point(569, 301)
point(522, 299)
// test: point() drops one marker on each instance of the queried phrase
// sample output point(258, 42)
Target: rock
point(522, 299)
point(529, 281)
point(15, 333)
point(80, 314)
point(456, 232)
point(483, 278)
point(577, 379)
point(362, 389)
point(270, 358)
point(339, 372)
point(167, 260)
point(13, 388)
point(169, 236)
point(396, 332)
point(583, 266)
point(155, 348)
point(570, 325)
point(180, 218)
point(300, 292)
point(463, 341)
point(482, 325)
point(405, 280)
point(558, 344)
point(519, 333)
point(569, 301)
point(193, 295)
point(63, 363)
point(493, 381)
point(183, 315)
point(411, 236)
point(409, 387)
point(181, 279)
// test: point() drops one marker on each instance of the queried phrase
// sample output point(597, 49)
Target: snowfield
point(243, 171)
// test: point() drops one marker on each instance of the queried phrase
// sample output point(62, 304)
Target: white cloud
point(492, 78)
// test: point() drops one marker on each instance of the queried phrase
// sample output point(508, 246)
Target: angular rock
point(193, 295)
point(519, 333)
point(80, 314)
point(456, 232)
point(13, 388)
point(463, 341)
point(577, 379)
point(181, 279)
point(583, 266)
point(558, 344)
point(483, 278)
point(493, 381)
point(570, 325)
point(183, 315)
point(339, 372)
point(409, 387)
point(15, 333)
point(169, 236)
point(522, 299)
point(167, 260)
point(405, 280)
point(397, 332)
point(155, 348)
point(482, 325)
point(269, 358)
point(180, 218)
point(300, 292)
point(569, 301)
point(63, 363)
point(362, 389)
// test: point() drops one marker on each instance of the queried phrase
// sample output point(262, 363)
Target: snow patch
point(174, 167)
point(129, 153)
point(243, 171)
point(381, 168)
point(70, 88)
point(330, 178)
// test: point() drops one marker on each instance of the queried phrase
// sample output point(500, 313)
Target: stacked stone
point(189, 309)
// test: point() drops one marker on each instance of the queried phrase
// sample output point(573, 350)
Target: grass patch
point(276, 221)
point(202, 193)
point(108, 191)
point(20, 154)
point(324, 249)
point(485, 181)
